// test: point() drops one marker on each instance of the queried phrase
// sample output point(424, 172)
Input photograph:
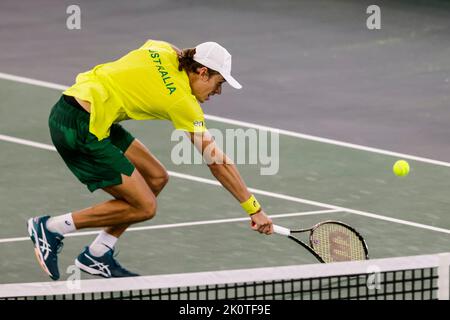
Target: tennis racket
point(330, 241)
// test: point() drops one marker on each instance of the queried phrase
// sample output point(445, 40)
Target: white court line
point(27, 142)
point(257, 126)
point(268, 194)
point(33, 82)
point(185, 224)
point(315, 203)
point(327, 141)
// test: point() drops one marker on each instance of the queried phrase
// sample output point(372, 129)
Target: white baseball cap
point(216, 57)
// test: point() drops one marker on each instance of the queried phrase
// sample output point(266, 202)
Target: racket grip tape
point(281, 230)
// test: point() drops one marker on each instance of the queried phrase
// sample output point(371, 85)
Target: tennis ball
point(401, 168)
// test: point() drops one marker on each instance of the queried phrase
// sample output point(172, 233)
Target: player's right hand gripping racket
point(330, 241)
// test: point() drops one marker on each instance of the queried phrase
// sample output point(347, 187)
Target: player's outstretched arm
point(225, 171)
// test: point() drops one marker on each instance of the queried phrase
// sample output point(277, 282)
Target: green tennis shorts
point(97, 164)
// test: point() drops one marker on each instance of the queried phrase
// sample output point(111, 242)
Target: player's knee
point(162, 181)
point(148, 211)
point(157, 184)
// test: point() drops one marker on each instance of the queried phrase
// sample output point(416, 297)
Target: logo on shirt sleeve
point(198, 123)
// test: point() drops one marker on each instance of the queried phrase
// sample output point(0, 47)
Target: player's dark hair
point(187, 62)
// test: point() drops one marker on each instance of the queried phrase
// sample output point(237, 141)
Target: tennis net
point(424, 277)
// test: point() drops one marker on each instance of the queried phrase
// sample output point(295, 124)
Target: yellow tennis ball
point(401, 168)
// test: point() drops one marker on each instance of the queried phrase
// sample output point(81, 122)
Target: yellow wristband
point(251, 206)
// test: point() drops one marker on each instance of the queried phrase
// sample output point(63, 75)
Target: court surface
point(316, 181)
point(310, 67)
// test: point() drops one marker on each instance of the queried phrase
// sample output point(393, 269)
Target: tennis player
point(156, 81)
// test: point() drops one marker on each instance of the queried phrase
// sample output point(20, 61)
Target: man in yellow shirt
point(155, 81)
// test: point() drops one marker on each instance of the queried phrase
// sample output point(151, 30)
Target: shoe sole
point(89, 270)
point(33, 235)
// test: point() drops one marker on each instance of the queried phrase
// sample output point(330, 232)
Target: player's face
point(204, 85)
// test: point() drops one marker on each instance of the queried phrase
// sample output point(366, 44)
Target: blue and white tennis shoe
point(47, 245)
point(105, 266)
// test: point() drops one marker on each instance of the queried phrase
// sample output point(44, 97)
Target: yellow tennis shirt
point(145, 84)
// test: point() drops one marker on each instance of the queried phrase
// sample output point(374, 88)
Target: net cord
point(229, 277)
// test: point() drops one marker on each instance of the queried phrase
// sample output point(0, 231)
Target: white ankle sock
point(61, 224)
point(102, 244)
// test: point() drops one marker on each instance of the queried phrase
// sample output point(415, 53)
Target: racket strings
point(335, 242)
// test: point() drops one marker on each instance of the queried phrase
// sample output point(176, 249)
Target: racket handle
point(281, 230)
